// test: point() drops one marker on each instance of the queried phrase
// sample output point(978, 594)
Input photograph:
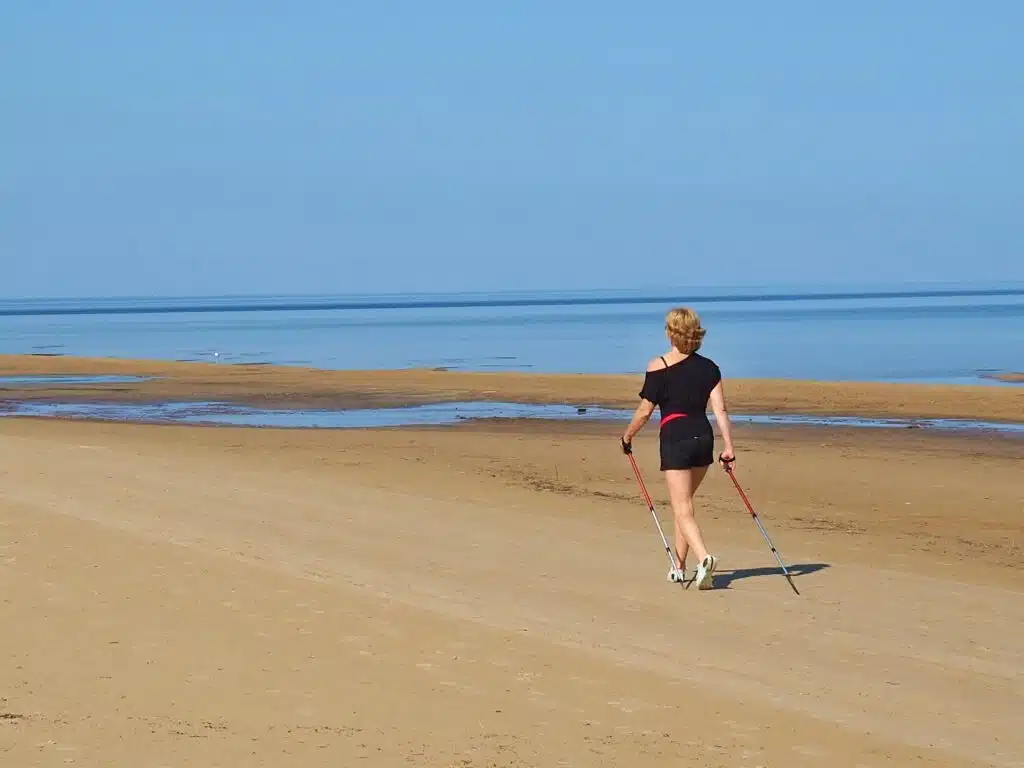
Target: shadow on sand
point(724, 579)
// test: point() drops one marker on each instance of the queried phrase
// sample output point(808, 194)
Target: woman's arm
point(648, 394)
point(640, 417)
point(722, 419)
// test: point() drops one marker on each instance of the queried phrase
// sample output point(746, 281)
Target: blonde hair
point(684, 331)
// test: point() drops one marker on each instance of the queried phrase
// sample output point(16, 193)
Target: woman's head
point(683, 329)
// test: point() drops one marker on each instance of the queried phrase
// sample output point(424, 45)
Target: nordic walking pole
point(650, 505)
point(785, 571)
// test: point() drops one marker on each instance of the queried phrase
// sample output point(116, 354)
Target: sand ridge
point(288, 386)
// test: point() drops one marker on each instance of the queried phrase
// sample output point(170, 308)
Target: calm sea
point(952, 334)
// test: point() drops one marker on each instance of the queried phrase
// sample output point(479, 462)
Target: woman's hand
point(727, 457)
point(626, 444)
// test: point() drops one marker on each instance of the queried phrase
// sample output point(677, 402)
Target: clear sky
point(323, 146)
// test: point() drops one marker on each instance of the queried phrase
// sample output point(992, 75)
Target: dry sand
point(494, 594)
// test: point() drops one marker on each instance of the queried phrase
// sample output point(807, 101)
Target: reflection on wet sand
point(433, 414)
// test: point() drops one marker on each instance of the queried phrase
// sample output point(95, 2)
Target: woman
point(682, 382)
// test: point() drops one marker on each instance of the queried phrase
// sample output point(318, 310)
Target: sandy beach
point(494, 593)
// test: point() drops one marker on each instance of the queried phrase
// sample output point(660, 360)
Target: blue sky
point(312, 147)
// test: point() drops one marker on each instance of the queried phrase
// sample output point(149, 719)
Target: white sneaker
point(677, 575)
point(706, 572)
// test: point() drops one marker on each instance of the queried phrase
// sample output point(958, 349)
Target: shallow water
point(942, 337)
point(33, 381)
point(435, 414)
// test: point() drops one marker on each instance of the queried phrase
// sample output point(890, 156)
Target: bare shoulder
point(655, 364)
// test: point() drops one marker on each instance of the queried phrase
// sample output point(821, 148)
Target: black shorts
point(687, 451)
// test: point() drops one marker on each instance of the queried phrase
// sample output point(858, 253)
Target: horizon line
point(526, 298)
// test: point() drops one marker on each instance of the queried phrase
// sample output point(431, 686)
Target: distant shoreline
point(1009, 378)
point(279, 386)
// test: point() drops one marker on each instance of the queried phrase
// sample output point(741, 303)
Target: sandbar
point(292, 386)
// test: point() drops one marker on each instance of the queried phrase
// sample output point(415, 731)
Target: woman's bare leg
point(682, 485)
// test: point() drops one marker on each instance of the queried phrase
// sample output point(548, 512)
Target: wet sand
point(285, 386)
point(494, 594)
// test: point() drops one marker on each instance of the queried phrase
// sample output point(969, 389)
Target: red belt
point(671, 416)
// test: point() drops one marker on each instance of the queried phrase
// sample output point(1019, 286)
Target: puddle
point(858, 421)
point(435, 414)
point(241, 415)
point(7, 382)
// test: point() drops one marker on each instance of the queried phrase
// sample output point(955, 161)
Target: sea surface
point(950, 334)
